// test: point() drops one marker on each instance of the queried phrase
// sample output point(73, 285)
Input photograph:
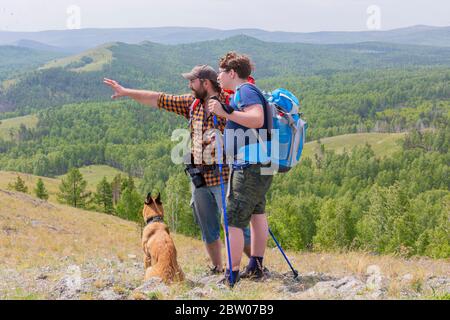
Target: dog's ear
point(149, 199)
point(158, 199)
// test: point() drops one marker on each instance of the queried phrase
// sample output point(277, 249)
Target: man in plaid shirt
point(206, 199)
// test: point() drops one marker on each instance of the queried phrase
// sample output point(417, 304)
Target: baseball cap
point(201, 72)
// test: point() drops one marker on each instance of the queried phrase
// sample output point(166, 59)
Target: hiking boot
point(226, 280)
point(253, 274)
point(254, 270)
point(215, 270)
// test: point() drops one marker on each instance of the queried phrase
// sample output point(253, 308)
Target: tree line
point(118, 197)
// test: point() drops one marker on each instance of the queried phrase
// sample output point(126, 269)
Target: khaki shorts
point(246, 195)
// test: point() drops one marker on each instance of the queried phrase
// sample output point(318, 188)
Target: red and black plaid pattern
point(202, 131)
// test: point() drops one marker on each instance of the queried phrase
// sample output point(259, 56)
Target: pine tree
point(104, 196)
point(73, 189)
point(128, 184)
point(130, 205)
point(116, 186)
point(41, 191)
point(19, 185)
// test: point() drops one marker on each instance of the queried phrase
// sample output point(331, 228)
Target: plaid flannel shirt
point(202, 131)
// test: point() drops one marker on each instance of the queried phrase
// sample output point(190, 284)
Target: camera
point(196, 175)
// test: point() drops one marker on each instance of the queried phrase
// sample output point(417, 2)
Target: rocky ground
point(116, 280)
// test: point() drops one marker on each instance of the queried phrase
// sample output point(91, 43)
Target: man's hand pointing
point(119, 91)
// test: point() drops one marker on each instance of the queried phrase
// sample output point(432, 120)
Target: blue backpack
point(288, 132)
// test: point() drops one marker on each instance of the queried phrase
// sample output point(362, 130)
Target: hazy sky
point(285, 15)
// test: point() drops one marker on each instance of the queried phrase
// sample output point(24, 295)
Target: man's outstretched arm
point(149, 98)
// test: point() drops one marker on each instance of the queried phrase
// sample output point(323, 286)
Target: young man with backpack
point(246, 116)
point(206, 189)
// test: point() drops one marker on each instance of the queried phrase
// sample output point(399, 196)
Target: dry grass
point(356, 263)
point(9, 177)
point(39, 235)
point(35, 233)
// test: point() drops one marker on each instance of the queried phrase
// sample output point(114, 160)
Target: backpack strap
point(268, 115)
point(268, 109)
point(192, 109)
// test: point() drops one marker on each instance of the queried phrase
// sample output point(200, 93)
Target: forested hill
point(75, 78)
point(14, 59)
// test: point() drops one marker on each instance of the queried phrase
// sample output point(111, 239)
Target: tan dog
point(160, 254)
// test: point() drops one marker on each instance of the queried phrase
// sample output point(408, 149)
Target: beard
point(200, 94)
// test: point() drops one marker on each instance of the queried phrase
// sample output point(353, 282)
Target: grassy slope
point(383, 144)
point(100, 56)
point(35, 234)
point(92, 174)
point(7, 177)
point(29, 121)
point(58, 230)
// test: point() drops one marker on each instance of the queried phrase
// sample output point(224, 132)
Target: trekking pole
point(224, 203)
point(295, 272)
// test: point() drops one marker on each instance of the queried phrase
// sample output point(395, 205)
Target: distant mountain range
point(74, 41)
point(35, 45)
point(77, 78)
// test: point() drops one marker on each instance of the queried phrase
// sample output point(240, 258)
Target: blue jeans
point(206, 203)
